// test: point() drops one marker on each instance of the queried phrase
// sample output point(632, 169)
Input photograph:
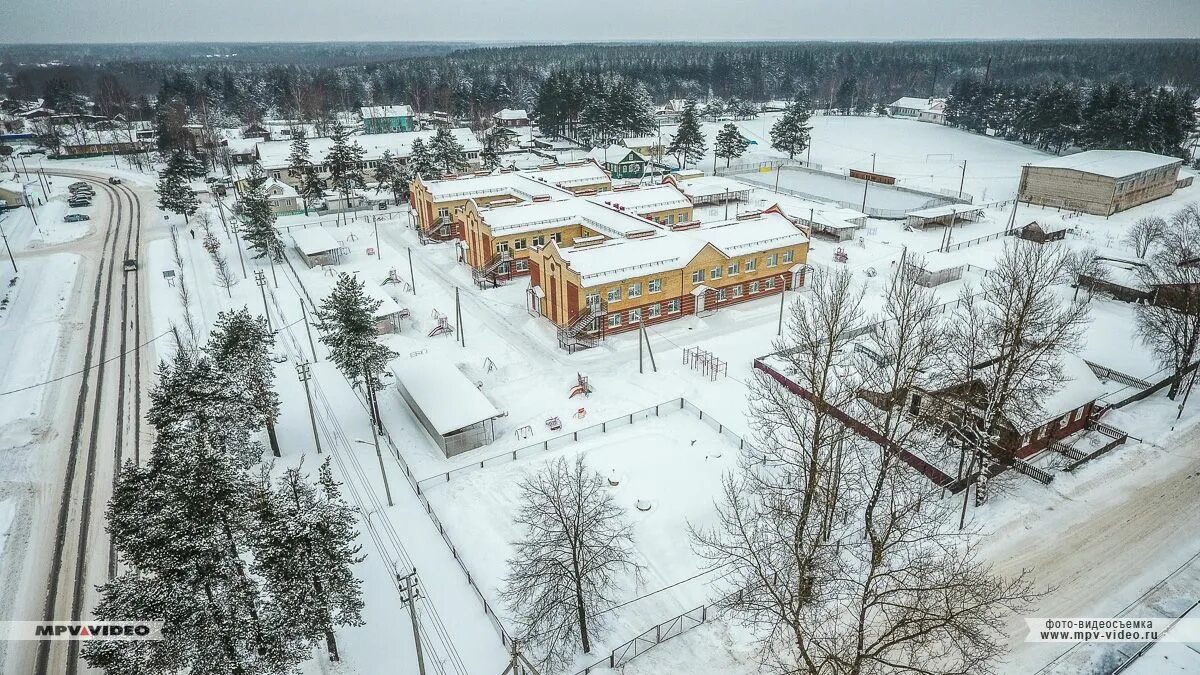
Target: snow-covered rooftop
point(915, 103)
point(1080, 387)
point(512, 114)
point(445, 396)
point(644, 200)
point(1109, 163)
point(519, 185)
point(315, 240)
point(274, 154)
point(574, 175)
point(769, 230)
point(940, 211)
point(613, 153)
point(609, 221)
point(377, 111)
point(710, 186)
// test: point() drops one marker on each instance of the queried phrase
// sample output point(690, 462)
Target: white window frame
point(519, 244)
point(715, 273)
point(635, 316)
point(788, 256)
point(773, 260)
point(751, 264)
point(614, 320)
point(697, 276)
point(614, 294)
point(770, 283)
point(654, 286)
point(737, 291)
point(635, 290)
point(501, 246)
point(721, 295)
point(654, 311)
point(1042, 431)
point(733, 268)
point(753, 287)
point(539, 240)
point(557, 237)
point(673, 306)
point(521, 265)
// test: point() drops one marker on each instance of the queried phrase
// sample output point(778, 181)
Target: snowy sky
point(565, 21)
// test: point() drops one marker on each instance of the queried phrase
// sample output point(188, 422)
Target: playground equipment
point(443, 327)
point(581, 413)
point(643, 505)
point(705, 362)
point(488, 364)
point(524, 432)
point(581, 386)
point(840, 255)
point(554, 424)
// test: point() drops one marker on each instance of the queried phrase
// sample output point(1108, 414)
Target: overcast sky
point(574, 20)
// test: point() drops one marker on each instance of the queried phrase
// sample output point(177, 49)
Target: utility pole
point(727, 203)
point(649, 349)
point(378, 250)
point(304, 372)
point(410, 590)
point(962, 180)
point(32, 213)
point(866, 183)
point(308, 329)
point(238, 239)
point(641, 347)
point(778, 170)
point(411, 277)
point(7, 248)
point(462, 337)
point(261, 280)
point(782, 297)
point(375, 432)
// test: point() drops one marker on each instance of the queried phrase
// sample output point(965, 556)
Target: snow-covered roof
point(313, 241)
point(644, 200)
point(672, 250)
point(572, 175)
point(710, 186)
point(1109, 163)
point(614, 153)
point(377, 111)
point(12, 186)
point(1080, 387)
point(273, 187)
point(512, 114)
point(611, 222)
point(387, 306)
point(914, 103)
point(1124, 273)
point(274, 154)
point(519, 185)
point(444, 395)
point(623, 258)
point(945, 210)
point(734, 238)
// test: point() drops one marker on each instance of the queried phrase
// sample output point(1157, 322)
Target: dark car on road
point(75, 217)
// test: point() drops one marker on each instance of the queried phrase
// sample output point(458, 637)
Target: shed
point(451, 408)
point(317, 247)
point(944, 215)
point(388, 314)
point(1044, 231)
point(12, 195)
point(1121, 279)
point(937, 269)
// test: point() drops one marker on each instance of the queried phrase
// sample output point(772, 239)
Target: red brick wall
point(1054, 433)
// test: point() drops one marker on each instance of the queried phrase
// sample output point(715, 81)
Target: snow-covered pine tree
point(174, 192)
point(688, 142)
point(449, 155)
point(344, 162)
point(730, 144)
point(299, 160)
point(304, 550)
point(240, 346)
point(790, 133)
point(346, 320)
point(421, 161)
point(259, 228)
point(311, 187)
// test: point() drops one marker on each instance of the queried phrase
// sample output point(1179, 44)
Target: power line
point(84, 370)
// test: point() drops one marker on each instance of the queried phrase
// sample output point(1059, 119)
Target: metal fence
point(652, 637)
point(563, 440)
point(977, 240)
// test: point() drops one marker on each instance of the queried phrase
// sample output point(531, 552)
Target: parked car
point(77, 184)
point(130, 265)
point(75, 217)
point(113, 180)
point(79, 203)
point(87, 194)
point(83, 188)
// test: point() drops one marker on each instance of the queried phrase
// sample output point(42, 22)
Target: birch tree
point(577, 545)
point(1170, 326)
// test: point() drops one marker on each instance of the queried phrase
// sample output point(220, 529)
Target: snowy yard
point(671, 463)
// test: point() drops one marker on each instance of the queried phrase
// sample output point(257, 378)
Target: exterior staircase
point(489, 272)
point(575, 336)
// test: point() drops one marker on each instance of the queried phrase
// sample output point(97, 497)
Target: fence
point(352, 216)
point(653, 637)
point(563, 440)
point(1106, 373)
point(1040, 475)
point(977, 240)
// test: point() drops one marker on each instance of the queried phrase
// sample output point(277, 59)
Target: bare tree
point(561, 578)
point(1170, 326)
point(839, 557)
point(1145, 233)
point(1086, 262)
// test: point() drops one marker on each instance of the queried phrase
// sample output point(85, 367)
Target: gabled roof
point(444, 395)
point(914, 102)
point(614, 154)
point(378, 111)
point(512, 114)
point(315, 240)
point(644, 200)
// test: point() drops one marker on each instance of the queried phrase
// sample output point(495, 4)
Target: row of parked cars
point(81, 197)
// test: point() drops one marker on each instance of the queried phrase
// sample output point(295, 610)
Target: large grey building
point(1100, 182)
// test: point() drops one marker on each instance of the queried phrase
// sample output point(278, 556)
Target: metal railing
point(1104, 372)
point(652, 637)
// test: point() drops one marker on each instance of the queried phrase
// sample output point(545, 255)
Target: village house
point(1044, 230)
point(650, 147)
point(1100, 182)
point(602, 286)
point(273, 155)
point(511, 119)
point(283, 199)
point(923, 109)
point(497, 241)
point(387, 119)
point(619, 161)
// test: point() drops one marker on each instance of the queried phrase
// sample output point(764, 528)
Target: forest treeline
point(252, 81)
